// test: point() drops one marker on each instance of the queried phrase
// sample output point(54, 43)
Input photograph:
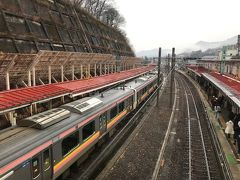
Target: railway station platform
point(227, 88)
point(18, 98)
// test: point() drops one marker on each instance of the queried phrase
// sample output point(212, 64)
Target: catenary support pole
point(172, 76)
point(168, 65)
point(159, 69)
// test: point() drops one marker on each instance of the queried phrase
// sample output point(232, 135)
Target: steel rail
point(201, 132)
point(218, 148)
point(189, 135)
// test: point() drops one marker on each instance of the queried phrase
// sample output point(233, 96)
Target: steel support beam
point(95, 70)
point(81, 74)
point(89, 71)
point(7, 81)
point(62, 75)
point(172, 76)
point(34, 76)
point(159, 71)
point(11, 118)
point(100, 69)
point(29, 79)
point(49, 75)
point(73, 72)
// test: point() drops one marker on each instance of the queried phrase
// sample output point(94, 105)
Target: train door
point(36, 167)
point(103, 123)
point(41, 166)
point(46, 164)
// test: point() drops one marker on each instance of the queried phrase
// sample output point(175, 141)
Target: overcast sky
point(178, 23)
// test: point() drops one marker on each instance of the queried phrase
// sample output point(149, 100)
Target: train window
point(46, 160)
point(113, 113)
point(88, 130)
point(121, 106)
point(102, 120)
point(129, 102)
point(35, 168)
point(69, 143)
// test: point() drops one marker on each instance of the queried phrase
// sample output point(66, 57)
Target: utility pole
point(159, 75)
point(172, 76)
point(168, 64)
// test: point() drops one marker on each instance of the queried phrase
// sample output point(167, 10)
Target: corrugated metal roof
point(14, 99)
point(228, 85)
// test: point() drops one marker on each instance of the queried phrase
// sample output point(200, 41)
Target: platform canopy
point(14, 99)
point(225, 83)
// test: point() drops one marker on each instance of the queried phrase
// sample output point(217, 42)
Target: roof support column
point(29, 79)
point(35, 110)
point(12, 118)
point(108, 68)
point(31, 110)
point(115, 68)
point(50, 104)
point(7, 81)
point(238, 71)
point(89, 71)
point(100, 71)
point(86, 71)
point(73, 72)
point(63, 99)
point(105, 69)
point(62, 75)
point(81, 74)
point(49, 75)
point(112, 68)
point(95, 70)
point(34, 76)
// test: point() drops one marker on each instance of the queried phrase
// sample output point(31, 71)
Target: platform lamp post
point(159, 75)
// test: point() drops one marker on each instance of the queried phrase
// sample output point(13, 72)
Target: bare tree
point(102, 10)
point(112, 17)
point(78, 2)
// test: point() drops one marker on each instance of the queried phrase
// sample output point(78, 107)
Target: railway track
point(198, 165)
point(191, 151)
point(202, 162)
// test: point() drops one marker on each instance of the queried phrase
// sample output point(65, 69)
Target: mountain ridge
point(200, 45)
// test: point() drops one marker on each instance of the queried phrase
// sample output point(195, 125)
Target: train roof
point(17, 141)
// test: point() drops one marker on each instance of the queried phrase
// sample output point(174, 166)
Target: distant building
point(210, 57)
point(227, 61)
point(228, 52)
